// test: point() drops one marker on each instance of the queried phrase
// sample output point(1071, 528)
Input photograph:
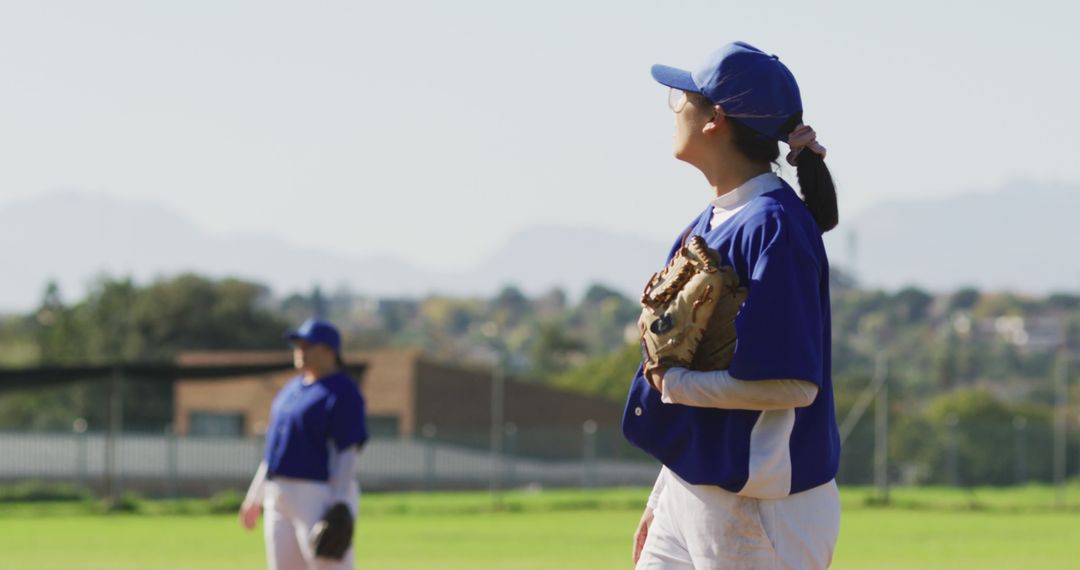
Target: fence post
point(1020, 449)
point(952, 460)
point(428, 433)
point(171, 460)
point(79, 428)
point(589, 429)
point(510, 456)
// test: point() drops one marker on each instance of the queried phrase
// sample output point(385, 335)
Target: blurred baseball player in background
point(305, 484)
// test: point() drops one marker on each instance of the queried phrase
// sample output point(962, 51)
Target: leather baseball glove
point(332, 536)
point(688, 311)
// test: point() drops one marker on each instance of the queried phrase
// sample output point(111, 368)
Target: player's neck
point(312, 375)
point(726, 176)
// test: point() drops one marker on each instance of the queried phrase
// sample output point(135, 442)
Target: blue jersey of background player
point(750, 453)
point(317, 426)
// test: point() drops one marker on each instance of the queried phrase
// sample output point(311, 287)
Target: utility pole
point(1061, 410)
point(114, 428)
point(881, 444)
point(498, 409)
point(881, 370)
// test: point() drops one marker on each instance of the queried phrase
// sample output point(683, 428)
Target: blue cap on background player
point(317, 331)
point(750, 85)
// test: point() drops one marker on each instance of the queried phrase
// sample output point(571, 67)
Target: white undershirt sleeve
point(256, 491)
point(717, 389)
point(342, 469)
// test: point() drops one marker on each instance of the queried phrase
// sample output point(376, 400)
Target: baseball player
point(750, 451)
point(305, 484)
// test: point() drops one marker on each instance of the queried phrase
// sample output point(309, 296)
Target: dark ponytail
point(817, 189)
point(815, 182)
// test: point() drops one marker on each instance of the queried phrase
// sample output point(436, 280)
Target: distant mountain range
point(1021, 237)
point(73, 236)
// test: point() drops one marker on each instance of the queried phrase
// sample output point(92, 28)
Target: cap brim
point(675, 77)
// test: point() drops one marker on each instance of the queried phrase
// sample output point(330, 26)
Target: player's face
point(692, 113)
point(299, 354)
point(315, 358)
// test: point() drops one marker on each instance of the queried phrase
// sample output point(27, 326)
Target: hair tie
point(800, 138)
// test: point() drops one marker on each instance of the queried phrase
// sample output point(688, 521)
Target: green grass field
point(557, 530)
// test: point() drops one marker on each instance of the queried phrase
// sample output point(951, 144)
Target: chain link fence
point(170, 465)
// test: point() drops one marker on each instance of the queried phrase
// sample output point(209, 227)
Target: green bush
point(32, 491)
point(227, 501)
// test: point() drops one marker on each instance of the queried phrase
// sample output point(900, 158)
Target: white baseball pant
point(704, 527)
point(290, 508)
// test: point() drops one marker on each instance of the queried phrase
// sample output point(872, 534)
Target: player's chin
point(679, 150)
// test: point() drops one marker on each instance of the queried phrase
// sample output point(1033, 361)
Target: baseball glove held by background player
point(688, 311)
point(332, 536)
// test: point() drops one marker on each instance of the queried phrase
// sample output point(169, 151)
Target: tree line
point(965, 367)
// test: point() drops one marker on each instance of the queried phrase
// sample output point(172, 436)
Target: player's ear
point(717, 121)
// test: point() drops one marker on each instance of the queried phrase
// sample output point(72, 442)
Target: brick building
point(408, 394)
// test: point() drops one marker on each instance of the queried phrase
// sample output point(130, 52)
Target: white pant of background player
point(704, 527)
point(290, 508)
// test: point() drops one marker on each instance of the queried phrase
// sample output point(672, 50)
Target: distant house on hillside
point(1031, 334)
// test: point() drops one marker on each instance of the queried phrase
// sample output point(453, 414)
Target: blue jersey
point(783, 332)
point(306, 419)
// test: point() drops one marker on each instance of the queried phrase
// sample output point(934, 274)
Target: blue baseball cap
point(317, 331)
point(751, 86)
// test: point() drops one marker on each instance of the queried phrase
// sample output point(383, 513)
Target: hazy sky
point(430, 130)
